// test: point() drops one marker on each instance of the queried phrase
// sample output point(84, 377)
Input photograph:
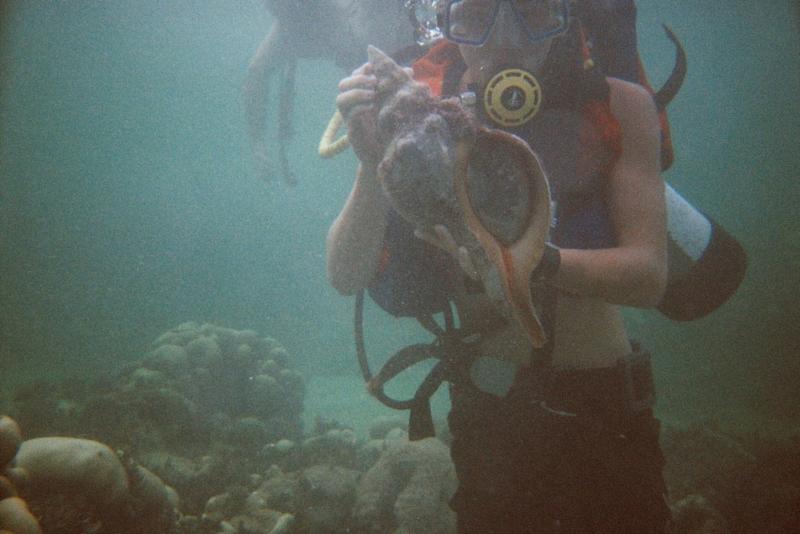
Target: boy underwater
point(568, 445)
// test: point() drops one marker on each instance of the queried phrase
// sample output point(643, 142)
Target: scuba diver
point(560, 438)
point(568, 446)
point(334, 30)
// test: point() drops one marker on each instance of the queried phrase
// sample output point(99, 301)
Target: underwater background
point(129, 202)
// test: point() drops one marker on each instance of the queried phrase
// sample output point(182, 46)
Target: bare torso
point(589, 333)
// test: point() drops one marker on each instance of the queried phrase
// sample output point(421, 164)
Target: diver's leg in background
point(268, 60)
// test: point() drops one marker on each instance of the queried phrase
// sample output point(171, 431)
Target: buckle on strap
point(624, 390)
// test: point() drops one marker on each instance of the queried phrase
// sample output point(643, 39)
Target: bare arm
point(634, 273)
point(355, 239)
point(268, 57)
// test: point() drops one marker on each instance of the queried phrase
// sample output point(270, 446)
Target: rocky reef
point(65, 484)
point(203, 435)
point(721, 481)
point(15, 516)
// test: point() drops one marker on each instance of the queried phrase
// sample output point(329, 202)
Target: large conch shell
point(516, 248)
point(441, 166)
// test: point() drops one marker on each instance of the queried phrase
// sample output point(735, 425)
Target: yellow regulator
point(512, 98)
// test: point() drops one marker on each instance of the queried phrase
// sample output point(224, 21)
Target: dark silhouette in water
point(334, 30)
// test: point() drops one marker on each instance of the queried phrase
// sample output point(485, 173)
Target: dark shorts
point(524, 468)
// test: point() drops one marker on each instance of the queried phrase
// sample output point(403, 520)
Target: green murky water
point(129, 204)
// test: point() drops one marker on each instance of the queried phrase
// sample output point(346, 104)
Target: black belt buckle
point(640, 391)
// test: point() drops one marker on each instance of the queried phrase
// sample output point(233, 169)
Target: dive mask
point(471, 22)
